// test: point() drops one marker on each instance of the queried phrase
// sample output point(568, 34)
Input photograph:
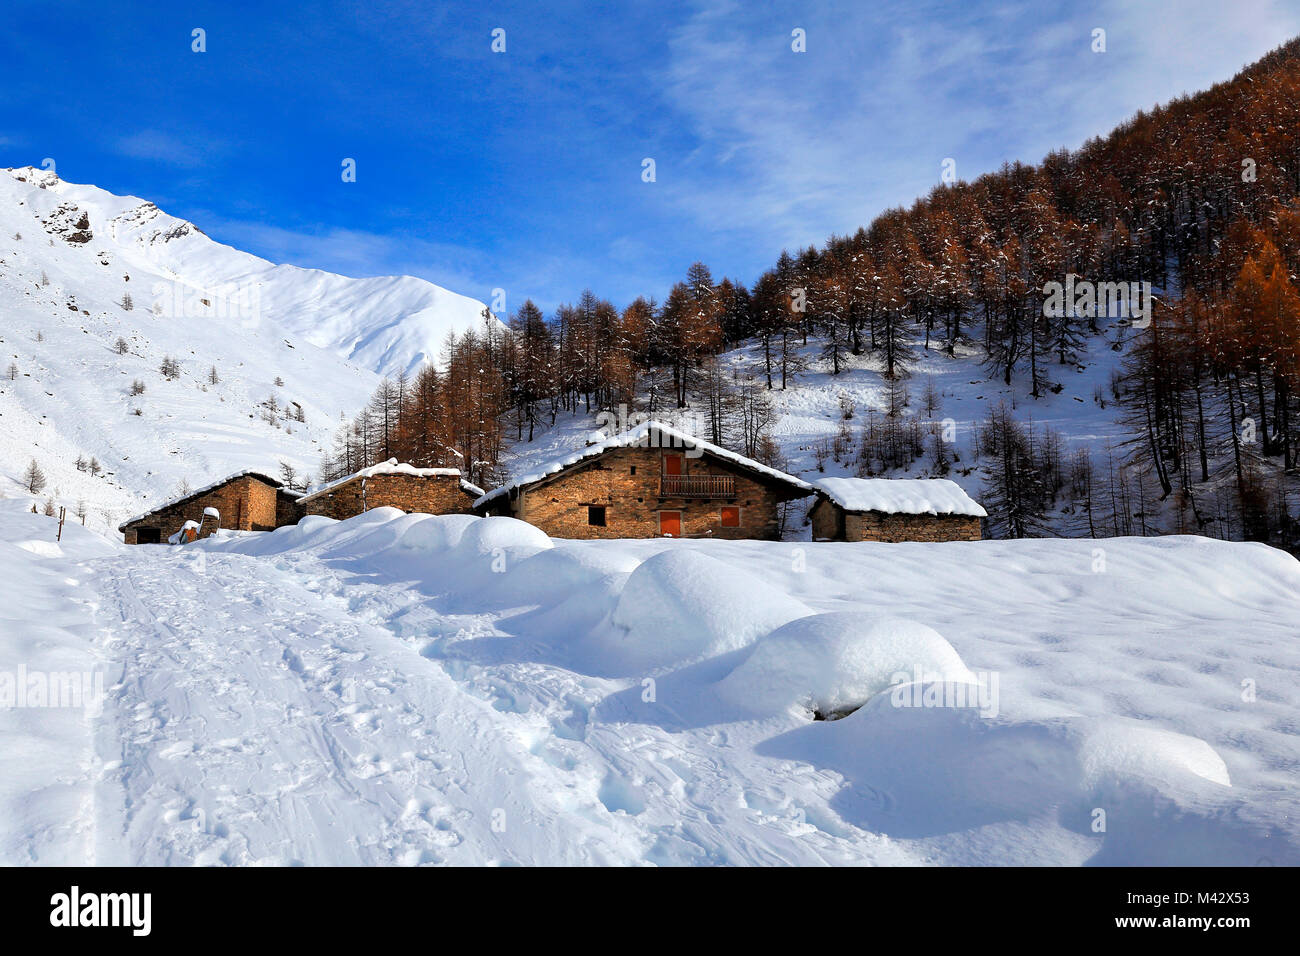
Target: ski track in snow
point(250, 722)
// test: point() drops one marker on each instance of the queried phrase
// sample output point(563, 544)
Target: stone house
point(894, 509)
point(246, 501)
point(649, 482)
point(435, 491)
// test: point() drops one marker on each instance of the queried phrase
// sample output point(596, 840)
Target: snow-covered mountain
point(383, 323)
point(82, 268)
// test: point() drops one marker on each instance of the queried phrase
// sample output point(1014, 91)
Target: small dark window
point(633, 469)
point(596, 515)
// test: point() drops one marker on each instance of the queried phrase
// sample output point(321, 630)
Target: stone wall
point(246, 504)
point(626, 482)
point(435, 495)
point(287, 509)
point(827, 520)
point(877, 526)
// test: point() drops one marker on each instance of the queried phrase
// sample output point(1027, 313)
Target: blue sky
point(522, 170)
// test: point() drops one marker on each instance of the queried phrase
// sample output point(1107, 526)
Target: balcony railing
point(697, 486)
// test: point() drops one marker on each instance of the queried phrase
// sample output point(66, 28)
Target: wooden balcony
point(697, 486)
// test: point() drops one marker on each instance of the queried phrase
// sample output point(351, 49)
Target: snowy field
point(417, 690)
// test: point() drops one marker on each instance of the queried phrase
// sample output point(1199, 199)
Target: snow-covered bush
point(835, 662)
point(683, 606)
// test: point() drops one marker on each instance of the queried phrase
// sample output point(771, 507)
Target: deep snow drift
point(411, 689)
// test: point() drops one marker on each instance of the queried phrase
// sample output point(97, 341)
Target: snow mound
point(563, 572)
point(310, 530)
point(310, 523)
point(313, 532)
point(836, 662)
point(487, 535)
point(42, 549)
point(947, 768)
point(383, 534)
point(439, 533)
point(1115, 750)
point(681, 606)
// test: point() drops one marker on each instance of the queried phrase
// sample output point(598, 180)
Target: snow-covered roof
point(641, 436)
point(391, 467)
point(260, 475)
point(911, 496)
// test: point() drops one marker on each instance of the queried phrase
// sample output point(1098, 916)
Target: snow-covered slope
point(809, 413)
point(411, 689)
point(810, 409)
point(386, 324)
point(70, 256)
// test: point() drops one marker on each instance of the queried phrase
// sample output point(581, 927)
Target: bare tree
point(930, 398)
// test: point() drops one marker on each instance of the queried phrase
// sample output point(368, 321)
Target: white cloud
point(162, 147)
point(794, 146)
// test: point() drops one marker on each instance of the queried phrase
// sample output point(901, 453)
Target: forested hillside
point(1196, 199)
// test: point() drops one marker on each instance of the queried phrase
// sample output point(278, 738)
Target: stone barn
point(652, 481)
point(894, 509)
point(247, 501)
point(287, 507)
point(435, 491)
